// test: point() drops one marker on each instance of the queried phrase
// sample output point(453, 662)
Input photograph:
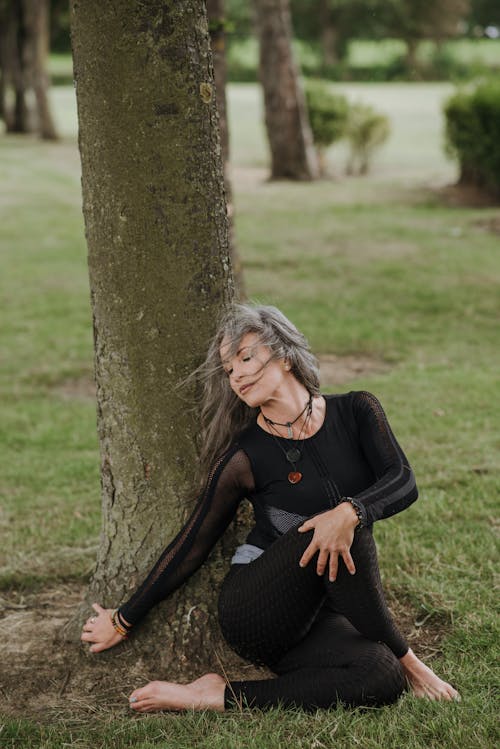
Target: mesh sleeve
point(395, 487)
point(230, 480)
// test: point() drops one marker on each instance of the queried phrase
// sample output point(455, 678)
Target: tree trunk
point(412, 45)
point(328, 35)
point(288, 130)
point(216, 25)
point(157, 235)
point(24, 49)
point(37, 23)
point(13, 61)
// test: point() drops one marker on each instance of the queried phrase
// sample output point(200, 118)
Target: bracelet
point(118, 627)
point(357, 509)
point(122, 622)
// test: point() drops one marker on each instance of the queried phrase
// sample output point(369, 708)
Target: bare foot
point(424, 682)
point(206, 693)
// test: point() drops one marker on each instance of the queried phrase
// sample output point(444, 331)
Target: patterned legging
point(327, 642)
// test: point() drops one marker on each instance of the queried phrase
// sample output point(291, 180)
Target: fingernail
point(133, 699)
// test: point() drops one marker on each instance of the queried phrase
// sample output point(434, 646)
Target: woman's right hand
point(99, 630)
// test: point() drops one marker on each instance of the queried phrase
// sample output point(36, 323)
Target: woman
point(303, 595)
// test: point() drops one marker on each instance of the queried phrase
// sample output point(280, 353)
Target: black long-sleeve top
point(354, 454)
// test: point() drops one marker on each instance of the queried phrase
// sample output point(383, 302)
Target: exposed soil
point(467, 195)
point(79, 388)
point(339, 370)
point(44, 677)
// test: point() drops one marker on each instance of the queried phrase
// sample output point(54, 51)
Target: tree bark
point(287, 122)
point(216, 24)
point(157, 236)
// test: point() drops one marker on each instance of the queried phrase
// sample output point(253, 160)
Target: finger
point(322, 561)
point(98, 647)
point(307, 526)
point(87, 637)
point(348, 561)
point(308, 554)
point(98, 609)
point(334, 565)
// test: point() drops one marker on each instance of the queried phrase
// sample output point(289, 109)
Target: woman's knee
point(384, 677)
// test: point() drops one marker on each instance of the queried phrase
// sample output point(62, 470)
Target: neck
point(287, 403)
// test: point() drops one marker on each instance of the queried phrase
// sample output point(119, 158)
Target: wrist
point(120, 625)
point(357, 511)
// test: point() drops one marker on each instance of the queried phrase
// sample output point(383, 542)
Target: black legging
point(321, 638)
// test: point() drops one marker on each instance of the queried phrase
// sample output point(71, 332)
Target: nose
point(236, 374)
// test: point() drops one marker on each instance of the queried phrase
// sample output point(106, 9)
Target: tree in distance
point(287, 123)
point(24, 48)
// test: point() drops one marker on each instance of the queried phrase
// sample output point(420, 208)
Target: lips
point(244, 388)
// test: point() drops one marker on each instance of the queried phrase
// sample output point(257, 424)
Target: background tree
point(287, 123)
point(217, 27)
point(333, 23)
point(156, 227)
point(24, 47)
point(483, 13)
point(415, 20)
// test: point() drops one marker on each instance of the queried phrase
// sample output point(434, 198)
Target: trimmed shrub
point(473, 135)
point(366, 131)
point(328, 114)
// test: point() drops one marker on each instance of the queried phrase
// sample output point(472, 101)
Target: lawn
point(395, 267)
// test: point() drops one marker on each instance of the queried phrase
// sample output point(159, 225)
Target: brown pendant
point(294, 477)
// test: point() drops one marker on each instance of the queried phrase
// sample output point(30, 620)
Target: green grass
point(381, 265)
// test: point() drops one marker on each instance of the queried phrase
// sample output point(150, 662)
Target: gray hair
point(223, 415)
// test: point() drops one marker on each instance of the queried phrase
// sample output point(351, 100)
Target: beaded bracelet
point(116, 624)
point(127, 627)
point(357, 509)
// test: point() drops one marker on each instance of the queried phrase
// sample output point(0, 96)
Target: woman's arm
point(394, 487)
point(229, 481)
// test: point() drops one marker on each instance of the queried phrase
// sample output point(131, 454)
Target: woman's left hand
point(99, 630)
point(333, 536)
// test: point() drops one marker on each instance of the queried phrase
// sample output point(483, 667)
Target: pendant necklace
point(288, 424)
point(293, 454)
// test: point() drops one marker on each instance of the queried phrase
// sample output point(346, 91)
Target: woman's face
point(254, 375)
